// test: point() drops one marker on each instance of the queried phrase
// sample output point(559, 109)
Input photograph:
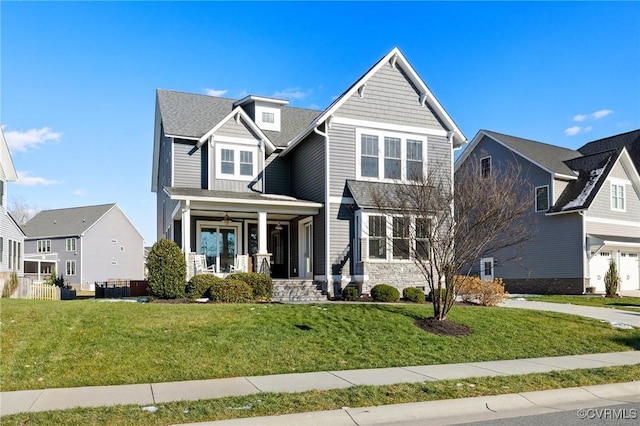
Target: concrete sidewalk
point(157, 393)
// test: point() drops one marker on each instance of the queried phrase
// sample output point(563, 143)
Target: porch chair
point(242, 261)
point(200, 263)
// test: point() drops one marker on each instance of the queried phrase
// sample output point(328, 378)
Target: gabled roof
point(397, 58)
point(629, 140)
point(549, 157)
point(6, 162)
point(67, 222)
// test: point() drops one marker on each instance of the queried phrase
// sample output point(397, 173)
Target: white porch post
point(262, 232)
point(186, 228)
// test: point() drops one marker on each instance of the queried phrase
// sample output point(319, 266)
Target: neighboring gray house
point(585, 209)
point(256, 177)
point(84, 245)
point(11, 236)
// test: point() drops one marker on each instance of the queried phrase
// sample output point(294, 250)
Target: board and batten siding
point(308, 174)
point(165, 205)
point(390, 97)
point(277, 175)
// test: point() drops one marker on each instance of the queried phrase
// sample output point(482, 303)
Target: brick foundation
point(544, 285)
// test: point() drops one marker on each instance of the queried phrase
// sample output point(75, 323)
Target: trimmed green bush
point(350, 293)
point(261, 284)
point(385, 293)
point(413, 294)
point(200, 285)
point(167, 270)
point(231, 291)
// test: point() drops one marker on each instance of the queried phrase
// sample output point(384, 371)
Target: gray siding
point(341, 236)
point(277, 175)
point(560, 186)
point(342, 149)
point(187, 164)
point(236, 130)
point(308, 177)
point(612, 229)
point(59, 247)
point(601, 205)
point(556, 249)
point(319, 238)
point(9, 232)
point(439, 158)
point(390, 98)
point(165, 206)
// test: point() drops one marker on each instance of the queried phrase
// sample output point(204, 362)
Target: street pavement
point(157, 393)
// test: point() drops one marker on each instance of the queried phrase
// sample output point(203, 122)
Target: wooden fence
point(45, 292)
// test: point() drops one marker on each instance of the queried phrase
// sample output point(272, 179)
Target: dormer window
point(266, 112)
point(268, 117)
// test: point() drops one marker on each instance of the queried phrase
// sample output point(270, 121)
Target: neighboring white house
point(11, 236)
point(84, 245)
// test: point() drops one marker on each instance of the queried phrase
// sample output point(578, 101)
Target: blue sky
point(78, 80)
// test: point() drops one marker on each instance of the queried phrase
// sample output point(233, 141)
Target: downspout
point(327, 213)
point(586, 256)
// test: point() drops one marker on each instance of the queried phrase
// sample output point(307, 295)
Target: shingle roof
point(550, 156)
point(64, 222)
point(629, 140)
point(192, 115)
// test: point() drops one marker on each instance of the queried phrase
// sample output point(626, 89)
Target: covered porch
point(38, 266)
point(253, 232)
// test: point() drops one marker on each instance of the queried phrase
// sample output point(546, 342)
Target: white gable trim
point(396, 59)
point(390, 127)
point(6, 161)
point(236, 114)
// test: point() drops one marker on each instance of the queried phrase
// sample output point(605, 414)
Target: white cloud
point(580, 117)
point(215, 92)
point(80, 192)
point(602, 113)
point(23, 141)
point(291, 93)
point(572, 131)
point(25, 179)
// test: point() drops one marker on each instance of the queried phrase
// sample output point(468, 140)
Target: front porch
point(250, 232)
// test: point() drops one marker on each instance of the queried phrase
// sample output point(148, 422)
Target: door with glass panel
point(219, 245)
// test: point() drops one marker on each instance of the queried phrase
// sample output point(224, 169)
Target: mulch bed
point(443, 328)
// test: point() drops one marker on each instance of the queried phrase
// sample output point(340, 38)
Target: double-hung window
point(401, 239)
point(388, 156)
point(70, 267)
point(395, 238)
point(485, 167)
point(71, 244)
point(617, 196)
point(236, 161)
point(44, 246)
point(423, 229)
point(377, 237)
point(542, 198)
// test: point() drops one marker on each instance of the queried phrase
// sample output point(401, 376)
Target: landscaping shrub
point(261, 284)
point(385, 293)
point(484, 292)
point(611, 279)
point(231, 290)
point(443, 294)
point(167, 270)
point(413, 294)
point(200, 285)
point(350, 293)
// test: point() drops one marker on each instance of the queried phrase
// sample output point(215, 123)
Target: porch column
point(186, 228)
point(262, 232)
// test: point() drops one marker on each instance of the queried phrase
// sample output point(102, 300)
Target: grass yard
point(272, 404)
point(625, 303)
point(48, 344)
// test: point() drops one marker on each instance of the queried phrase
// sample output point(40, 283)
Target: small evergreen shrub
point(611, 279)
point(350, 293)
point(167, 270)
point(231, 291)
point(385, 293)
point(200, 285)
point(484, 292)
point(261, 284)
point(413, 294)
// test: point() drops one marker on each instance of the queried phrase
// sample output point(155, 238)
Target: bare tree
point(21, 211)
point(452, 230)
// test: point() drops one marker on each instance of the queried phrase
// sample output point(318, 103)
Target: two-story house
point(11, 236)
point(84, 244)
point(287, 185)
point(585, 209)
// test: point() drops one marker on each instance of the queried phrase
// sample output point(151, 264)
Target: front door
point(277, 245)
point(306, 249)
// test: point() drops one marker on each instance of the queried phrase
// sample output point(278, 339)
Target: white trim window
point(486, 268)
point(390, 157)
point(542, 198)
point(71, 244)
point(44, 246)
point(617, 197)
point(393, 238)
point(268, 117)
point(70, 267)
point(485, 167)
point(236, 162)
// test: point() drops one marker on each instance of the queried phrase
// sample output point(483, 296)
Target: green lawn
point(47, 344)
point(625, 303)
point(271, 404)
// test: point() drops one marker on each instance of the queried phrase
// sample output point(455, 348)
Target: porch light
point(278, 227)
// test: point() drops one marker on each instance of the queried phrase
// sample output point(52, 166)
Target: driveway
point(613, 316)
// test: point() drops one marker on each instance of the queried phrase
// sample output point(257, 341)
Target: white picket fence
point(44, 292)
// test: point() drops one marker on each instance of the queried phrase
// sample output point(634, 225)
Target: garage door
point(629, 271)
point(598, 266)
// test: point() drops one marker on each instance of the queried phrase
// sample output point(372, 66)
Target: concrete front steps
point(295, 290)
